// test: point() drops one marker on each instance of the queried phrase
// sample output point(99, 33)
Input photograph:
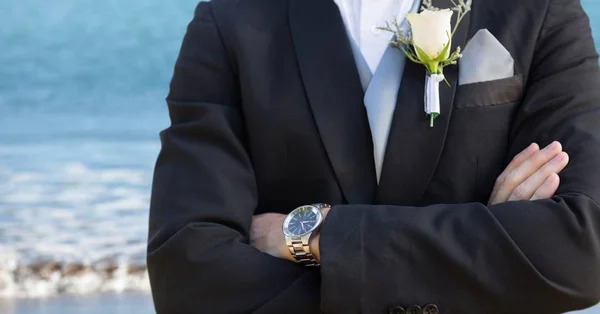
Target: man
point(269, 113)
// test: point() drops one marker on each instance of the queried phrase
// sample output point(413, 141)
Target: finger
point(522, 156)
point(528, 167)
point(526, 189)
point(516, 161)
point(548, 188)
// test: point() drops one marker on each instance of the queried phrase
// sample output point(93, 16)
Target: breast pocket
point(478, 135)
point(490, 93)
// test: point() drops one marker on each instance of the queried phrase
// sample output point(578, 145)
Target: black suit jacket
point(267, 114)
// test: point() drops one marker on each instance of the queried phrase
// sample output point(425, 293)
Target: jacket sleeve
point(204, 195)
point(518, 257)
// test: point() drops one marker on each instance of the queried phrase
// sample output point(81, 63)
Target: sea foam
point(48, 278)
point(71, 228)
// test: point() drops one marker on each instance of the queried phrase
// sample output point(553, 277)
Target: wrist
point(284, 252)
point(303, 247)
point(283, 249)
point(315, 248)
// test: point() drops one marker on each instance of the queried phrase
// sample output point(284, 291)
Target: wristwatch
point(298, 226)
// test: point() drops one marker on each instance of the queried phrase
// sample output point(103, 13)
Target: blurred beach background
point(82, 88)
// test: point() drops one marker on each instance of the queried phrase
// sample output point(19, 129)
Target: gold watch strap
point(320, 206)
point(300, 250)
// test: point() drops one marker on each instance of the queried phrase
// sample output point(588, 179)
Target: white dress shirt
point(362, 17)
point(370, 47)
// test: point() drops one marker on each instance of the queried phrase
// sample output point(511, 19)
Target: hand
point(266, 234)
point(531, 175)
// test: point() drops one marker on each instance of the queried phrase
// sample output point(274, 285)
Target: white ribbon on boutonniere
point(428, 43)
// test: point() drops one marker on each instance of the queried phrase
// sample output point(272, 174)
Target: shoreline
point(46, 279)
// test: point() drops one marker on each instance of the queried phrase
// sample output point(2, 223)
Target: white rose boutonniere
point(428, 43)
point(430, 35)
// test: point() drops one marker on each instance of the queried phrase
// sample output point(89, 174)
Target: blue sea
point(82, 88)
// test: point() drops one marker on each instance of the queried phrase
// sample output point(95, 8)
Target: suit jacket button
point(396, 310)
point(431, 309)
point(414, 309)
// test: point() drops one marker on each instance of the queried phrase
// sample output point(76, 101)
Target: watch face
point(301, 221)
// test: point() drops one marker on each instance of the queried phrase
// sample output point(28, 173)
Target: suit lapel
point(414, 149)
point(335, 94)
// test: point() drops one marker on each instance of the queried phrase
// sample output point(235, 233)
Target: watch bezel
point(294, 212)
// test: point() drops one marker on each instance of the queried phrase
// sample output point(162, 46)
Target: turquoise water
point(82, 87)
point(592, 8)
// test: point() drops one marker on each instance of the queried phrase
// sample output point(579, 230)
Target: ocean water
point(82, 87)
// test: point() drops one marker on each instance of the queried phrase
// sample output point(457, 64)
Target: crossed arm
point(538, 256)
point(531, 175)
